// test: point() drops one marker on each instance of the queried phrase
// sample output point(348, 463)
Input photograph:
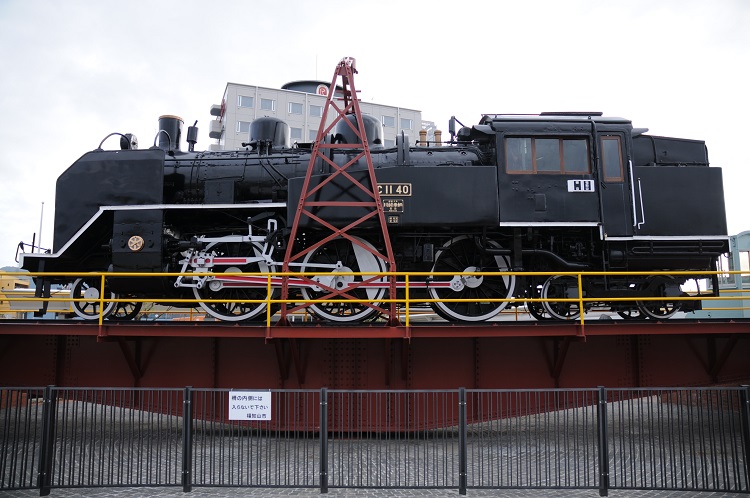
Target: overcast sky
point(75, 71)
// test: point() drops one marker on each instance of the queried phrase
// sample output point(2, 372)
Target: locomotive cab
point(552, 171)
point(582, 169)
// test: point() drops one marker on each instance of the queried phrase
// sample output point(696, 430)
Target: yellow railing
point(406, 284)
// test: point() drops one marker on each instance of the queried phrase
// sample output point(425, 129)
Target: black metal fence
point(598, 439)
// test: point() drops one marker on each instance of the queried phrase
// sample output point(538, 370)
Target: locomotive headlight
point(136, 243)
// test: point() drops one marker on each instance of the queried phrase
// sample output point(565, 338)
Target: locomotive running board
point(142, 207)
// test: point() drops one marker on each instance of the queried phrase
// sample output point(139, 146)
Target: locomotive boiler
point(554, 192)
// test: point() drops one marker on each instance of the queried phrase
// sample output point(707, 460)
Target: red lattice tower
point(373, 206)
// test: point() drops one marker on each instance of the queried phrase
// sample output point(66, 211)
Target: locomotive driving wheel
point(461, 255)
point(353, 258)
point(89, 289)
point(561, 287)
point(230, 299)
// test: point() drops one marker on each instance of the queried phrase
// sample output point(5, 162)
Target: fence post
point(462, 441)
point(44, 478)
point(324, 440)
point(601, 416)
point(187, 440)
point(745, 416)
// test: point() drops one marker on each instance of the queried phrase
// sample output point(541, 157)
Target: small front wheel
point(88, 290)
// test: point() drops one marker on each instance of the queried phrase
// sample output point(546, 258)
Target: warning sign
point(249, 405)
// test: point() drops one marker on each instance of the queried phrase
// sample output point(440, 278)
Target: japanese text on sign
point(393, 205)
point(249, 405)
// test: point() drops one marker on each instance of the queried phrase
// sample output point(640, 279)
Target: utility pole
point(41, 219)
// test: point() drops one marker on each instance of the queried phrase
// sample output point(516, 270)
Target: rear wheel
point(561, 287)
point(664, 286)
point(536, 308)
point(630, 313)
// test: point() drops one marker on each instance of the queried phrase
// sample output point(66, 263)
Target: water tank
point(373, 131)
point(313, 86)
point(270, 130)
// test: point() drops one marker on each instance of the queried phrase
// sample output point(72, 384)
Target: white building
point(300, 104)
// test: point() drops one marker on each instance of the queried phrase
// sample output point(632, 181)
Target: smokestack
point(172, 125)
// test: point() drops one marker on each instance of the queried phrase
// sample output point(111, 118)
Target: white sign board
point(249, 405)
point(581, 186)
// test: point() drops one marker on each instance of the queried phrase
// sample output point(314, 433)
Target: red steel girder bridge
point(676, 352)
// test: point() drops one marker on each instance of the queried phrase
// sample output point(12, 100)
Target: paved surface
point(373, 493)
point(174, 492)
point(95, 441)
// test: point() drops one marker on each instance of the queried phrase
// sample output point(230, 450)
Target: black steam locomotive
point(555, 192)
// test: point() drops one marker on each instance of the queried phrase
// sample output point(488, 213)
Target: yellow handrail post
point(101, 302)
point(580, 298)
point(268, 303)
point(406, 297)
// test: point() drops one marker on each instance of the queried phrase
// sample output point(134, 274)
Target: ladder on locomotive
point(373, 204)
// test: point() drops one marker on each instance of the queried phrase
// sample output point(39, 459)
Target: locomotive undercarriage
point(454, 294)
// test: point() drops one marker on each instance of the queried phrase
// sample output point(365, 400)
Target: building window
point(243, 126)
point(547, 155)
point(612, 159)
point(245, 101)
point(388, 144)
point(313, 135)
point(406, 124)
point(295, 133)
point(268, 104)
point(295, 108)
point(316, 111)
point(389, 121)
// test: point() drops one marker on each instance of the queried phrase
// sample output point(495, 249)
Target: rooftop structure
point(300, 105)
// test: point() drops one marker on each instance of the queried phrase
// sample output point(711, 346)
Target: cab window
point(612, 158)
point(546, 155)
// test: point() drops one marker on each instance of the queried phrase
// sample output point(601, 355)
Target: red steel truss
point(534, 355)
point(322, 151)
